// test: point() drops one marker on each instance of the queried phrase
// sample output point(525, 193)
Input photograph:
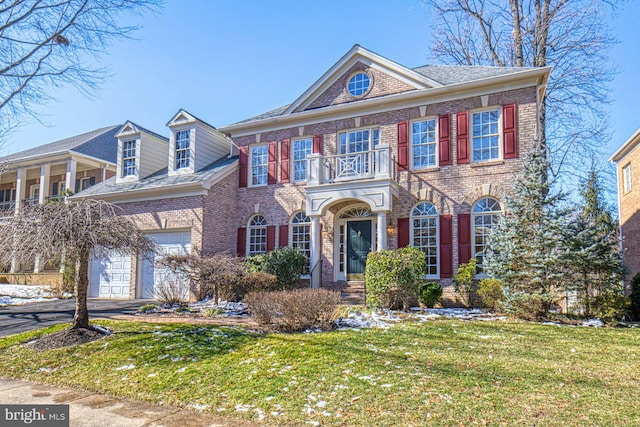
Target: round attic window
point(359, 84)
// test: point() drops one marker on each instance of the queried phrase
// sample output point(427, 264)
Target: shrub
point(463, 282)
point(528, 306)
point(393, 277)
point(294, 310)
point(611, 307)
point(490, 290)
point(259, 281)
point(430, 293)
point(4, 280)
point(148, 308)
point(287, 264)
point(635, 297)
point(211, 312)
point(172, 289)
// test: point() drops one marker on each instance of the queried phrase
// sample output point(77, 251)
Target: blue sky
point(227, 60)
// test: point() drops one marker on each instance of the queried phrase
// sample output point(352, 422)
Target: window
point(359, 84)
point(183, 149)
point(87, 182)
point(358, 141)
point(257, 235)
point(424, 234)
point(301, 149)
point(355, 159)
point(626, 178)
point(485, 214)
point(423, 143)
point(128, 158)
point(259, 165)
point(301, 236)
point(486, 136)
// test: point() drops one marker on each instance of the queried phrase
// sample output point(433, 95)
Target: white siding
point(152, 155)
point(209, 146)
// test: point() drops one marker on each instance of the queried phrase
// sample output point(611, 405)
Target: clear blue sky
point(226, 60)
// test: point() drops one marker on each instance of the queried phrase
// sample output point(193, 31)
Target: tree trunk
point(81, 317)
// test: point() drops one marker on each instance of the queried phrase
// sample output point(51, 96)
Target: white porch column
point(21, 187)
point(382, 231)
point(70, 179)
point(45, 176)
point(314, 169)
point(316, 273)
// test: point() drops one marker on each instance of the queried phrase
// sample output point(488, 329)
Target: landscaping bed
point(436, 372)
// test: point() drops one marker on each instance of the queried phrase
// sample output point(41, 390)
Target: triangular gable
point(359, 57)
point(181, 117)
point(129, 128)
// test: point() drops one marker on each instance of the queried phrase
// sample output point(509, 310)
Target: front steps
point(351, 293)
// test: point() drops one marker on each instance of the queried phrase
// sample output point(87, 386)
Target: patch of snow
point(102, 329)
point(199, 407)
point(184, 368)
point(596, 323)
point(243, 408)
point(125, 367)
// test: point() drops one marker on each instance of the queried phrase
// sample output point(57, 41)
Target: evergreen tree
point(528, 245)
point(596, 257)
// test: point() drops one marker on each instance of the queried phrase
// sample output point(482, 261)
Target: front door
point(358, 247)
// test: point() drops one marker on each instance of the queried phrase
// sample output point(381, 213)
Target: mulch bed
point(65, 338)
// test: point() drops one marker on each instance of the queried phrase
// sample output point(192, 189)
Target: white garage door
point(110, 276)
point(154, 276)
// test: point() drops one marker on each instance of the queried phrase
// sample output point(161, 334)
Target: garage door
point(110, 276)
point(154, 276)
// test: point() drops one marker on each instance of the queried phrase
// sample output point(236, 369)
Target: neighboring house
point(373, 155)
point(627, 160)
point(180, 191)
point(52, 170)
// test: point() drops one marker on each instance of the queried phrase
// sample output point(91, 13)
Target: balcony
point(368, 176)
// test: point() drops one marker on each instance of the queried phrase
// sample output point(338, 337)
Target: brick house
point(47, 172)
point(373, 155)
point(627, 161)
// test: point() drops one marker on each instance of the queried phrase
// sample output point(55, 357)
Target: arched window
point(257, 235)
point(424, 234)
point(485, 214)
point(301, 236)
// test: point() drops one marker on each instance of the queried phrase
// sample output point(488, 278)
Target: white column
point(316, 274)
point(21, 187)
point(70, 179)
point(383, 160)
point(45, 176)
point(314, 169)
point(382, 231)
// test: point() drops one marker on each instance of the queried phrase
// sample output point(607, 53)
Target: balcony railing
point(30, 202)
point(377, 163)
point(7, 208)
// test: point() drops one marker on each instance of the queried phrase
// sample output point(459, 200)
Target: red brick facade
point(630, 208)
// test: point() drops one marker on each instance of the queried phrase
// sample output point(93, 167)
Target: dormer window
point(129, 158)
point(183, 149)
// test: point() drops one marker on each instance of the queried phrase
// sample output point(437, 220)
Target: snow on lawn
point(24, 294)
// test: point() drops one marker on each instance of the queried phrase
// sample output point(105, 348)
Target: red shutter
point(444, 138)
point(242, 242)
point(446, 252)
point(464, 238)
point(244, 166)
point(317, 144)
point(403, 145)
point(462, 136)
point(271, 237)
point(509, 131)
point(403, 232)
point(273, 163)
point(284, 161)
point(283, 238)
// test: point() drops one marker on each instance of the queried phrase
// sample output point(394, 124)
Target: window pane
point(424, 234)
point(485, 135)
point(259, 165)
point(423, 141)
point(301, 149)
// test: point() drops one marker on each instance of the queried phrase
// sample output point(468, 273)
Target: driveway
point(22, 318)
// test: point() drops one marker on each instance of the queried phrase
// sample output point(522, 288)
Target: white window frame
point(256, 230)
point(128, 150)
point(365, 91)
point(474, 253)
point(82, 181)
point(306, 237)
point(627, 183)
point(412, 231)
point(303, 161)
point(436, 131)
point(371, 141)
point(186, 150)
point(34, 191)
point(499, 134)
point(265, 165)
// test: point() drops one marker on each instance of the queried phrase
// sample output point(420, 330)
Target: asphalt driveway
point(22, 318)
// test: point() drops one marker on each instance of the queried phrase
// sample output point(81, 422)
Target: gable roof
point(160, 180)
point(626, 148)
point(136, 128)
point(100, 143)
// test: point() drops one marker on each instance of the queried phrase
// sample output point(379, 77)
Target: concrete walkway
point(96, 410)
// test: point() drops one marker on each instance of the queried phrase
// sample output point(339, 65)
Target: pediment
point(128, 129)
point(386, 78)
point(180, 118)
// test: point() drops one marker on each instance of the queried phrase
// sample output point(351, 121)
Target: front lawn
point(442, 372)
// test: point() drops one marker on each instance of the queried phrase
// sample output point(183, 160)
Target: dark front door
point(358, 246)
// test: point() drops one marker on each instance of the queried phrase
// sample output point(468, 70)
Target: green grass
point(437, 373)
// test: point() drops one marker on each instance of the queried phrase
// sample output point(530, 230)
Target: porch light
point(390, 227)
